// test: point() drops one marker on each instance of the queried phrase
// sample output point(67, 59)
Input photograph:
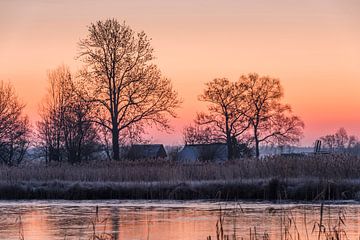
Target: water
point(175, 220)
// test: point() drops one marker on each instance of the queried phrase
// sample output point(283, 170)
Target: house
point(142, 151)
point(203, 152)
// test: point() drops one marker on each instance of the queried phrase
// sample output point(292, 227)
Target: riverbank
point(314, 177)
point(259, 189)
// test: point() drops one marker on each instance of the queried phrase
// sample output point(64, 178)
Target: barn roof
point(212, 151)
point(147, 151)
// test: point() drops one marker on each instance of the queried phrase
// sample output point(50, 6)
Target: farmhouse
point(142, 151)
point(203, 152)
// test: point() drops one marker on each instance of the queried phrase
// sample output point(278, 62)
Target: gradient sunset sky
point(313, 46)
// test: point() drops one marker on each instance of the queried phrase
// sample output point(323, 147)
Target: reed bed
point(272, 178)
point(281, 167)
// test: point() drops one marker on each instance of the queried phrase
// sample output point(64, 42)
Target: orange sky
point(312, 46)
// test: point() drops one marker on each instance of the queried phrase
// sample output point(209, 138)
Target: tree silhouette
point(14, 126)
point(122, 83)
point(270, 120)
point(196, 134)
point(65, 130)
point(341, 138)
point(249, 109)
point(227, 111)
point(339, 141)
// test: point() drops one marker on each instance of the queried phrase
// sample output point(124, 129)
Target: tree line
point(341, 141)
point(120, 91)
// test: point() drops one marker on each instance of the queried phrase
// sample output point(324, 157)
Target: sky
point(312, 46)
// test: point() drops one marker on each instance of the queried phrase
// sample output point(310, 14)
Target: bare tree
point(329, 141)
point(52, 114)
point(65, 129)
point(270, 120)
point(14, 126)
point(122, 83)
point(227, 111)
point(341, 138)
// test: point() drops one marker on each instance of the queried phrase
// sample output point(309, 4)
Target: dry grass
point(281, 177)
point(281, 167)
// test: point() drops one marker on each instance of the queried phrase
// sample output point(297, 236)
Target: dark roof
point(138, 151)
point(212, 151)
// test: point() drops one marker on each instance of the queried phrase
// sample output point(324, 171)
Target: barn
point(143, 151)
point(203, 152)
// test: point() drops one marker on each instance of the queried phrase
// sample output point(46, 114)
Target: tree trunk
point(230, 148)
point(115, 144)
point(257, 151)
point(257, 143)
point(228, 138)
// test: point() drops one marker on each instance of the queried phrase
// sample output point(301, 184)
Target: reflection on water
point(164, 220)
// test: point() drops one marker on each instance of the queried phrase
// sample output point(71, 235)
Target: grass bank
point(328, 177)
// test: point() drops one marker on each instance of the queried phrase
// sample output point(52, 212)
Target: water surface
point(164, 220)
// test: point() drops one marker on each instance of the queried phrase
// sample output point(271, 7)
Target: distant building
point(203, 152)
point(143, 151)
point(287, 150)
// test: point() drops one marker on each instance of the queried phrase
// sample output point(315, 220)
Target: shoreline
point(296, 189)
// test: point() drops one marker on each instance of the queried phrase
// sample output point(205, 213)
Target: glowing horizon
point(311, 46)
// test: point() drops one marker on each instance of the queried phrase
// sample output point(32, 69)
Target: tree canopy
point(247, 110)
point(126, 88)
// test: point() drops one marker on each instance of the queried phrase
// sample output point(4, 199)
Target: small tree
point(341, 138)
point(329, 141)
point(65, 129)
point(339, 141)
point(14, 126)
point(125, 87)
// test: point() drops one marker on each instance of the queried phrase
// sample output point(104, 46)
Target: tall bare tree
point(270, 120)
point(121, 80)
point(227, 111)
point(65, 129)
point(14, 126)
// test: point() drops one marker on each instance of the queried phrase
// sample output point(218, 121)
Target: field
point(312, 177)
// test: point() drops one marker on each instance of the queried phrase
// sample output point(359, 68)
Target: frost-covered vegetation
point(322, 166)
point(279, 177)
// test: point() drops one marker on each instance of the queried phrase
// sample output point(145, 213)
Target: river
point(175, 220)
